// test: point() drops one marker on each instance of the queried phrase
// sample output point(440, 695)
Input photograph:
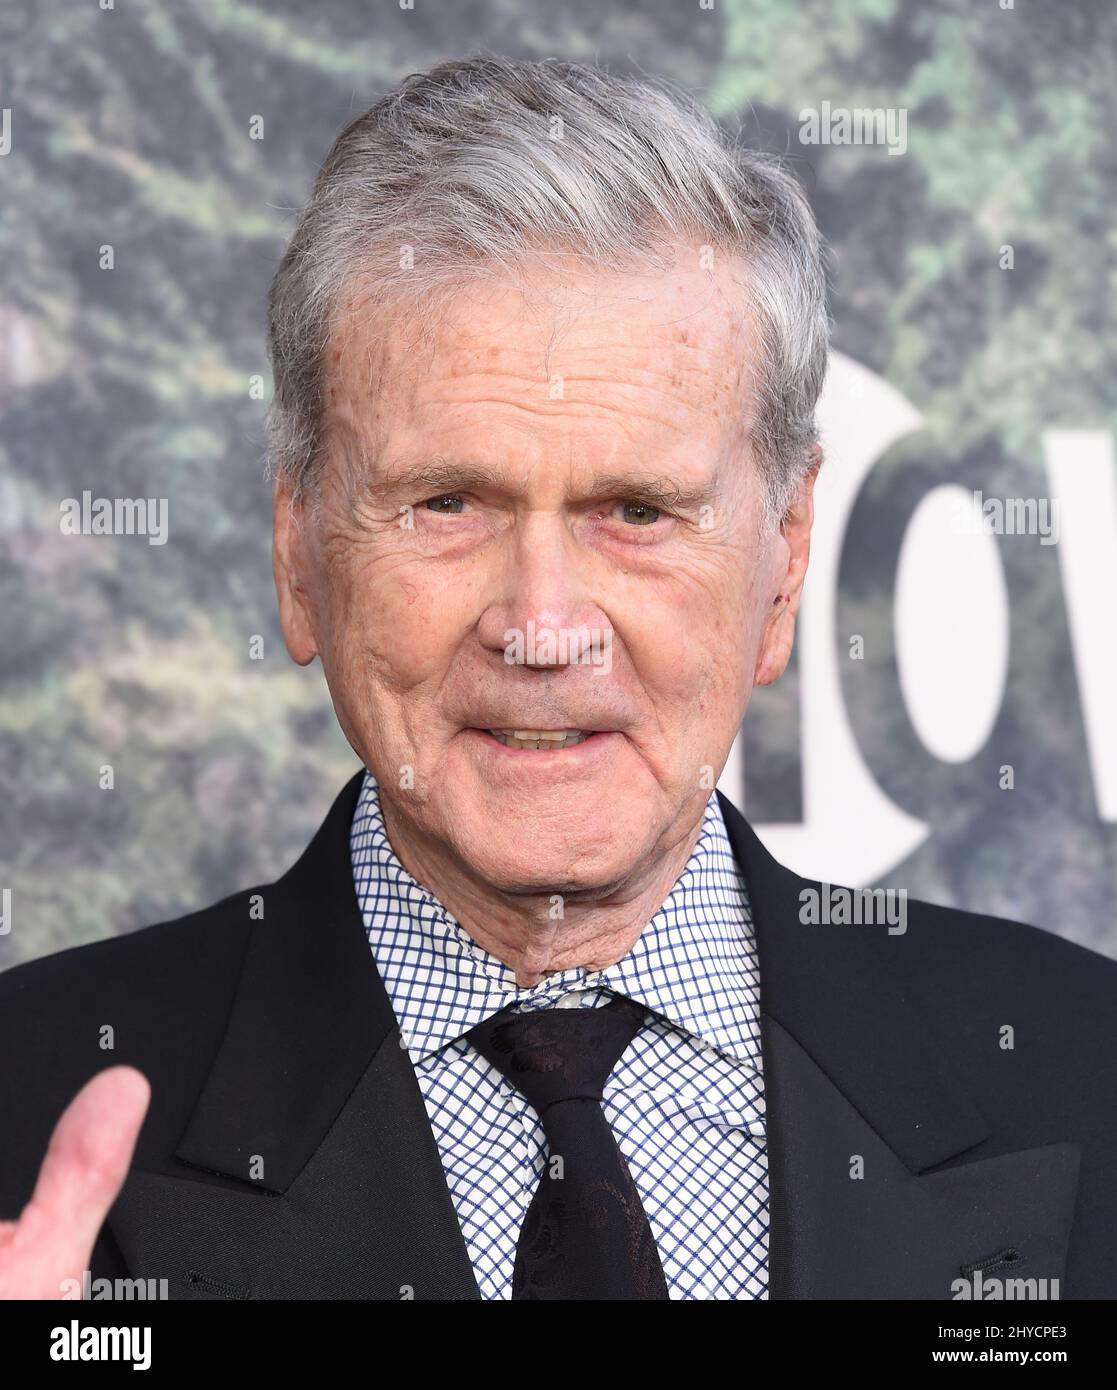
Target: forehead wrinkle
point(656, 357)
point(388, 357)
point(574, 411)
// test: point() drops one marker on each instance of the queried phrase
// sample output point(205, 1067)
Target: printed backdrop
point(948, 723)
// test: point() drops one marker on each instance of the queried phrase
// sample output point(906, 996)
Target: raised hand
point(85, 1166)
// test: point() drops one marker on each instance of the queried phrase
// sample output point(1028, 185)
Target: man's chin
point(525, 855)
point(545, 822)
point(566, 876)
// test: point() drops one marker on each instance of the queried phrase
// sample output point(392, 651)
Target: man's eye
point(448, 506)
point(640, 514)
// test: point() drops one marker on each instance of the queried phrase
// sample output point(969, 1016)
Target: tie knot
point(558, 1054)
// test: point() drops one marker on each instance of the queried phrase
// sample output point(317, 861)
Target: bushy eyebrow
point(655, 488)
point(441, 476)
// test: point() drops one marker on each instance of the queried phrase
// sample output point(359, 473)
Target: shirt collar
point(694, 963)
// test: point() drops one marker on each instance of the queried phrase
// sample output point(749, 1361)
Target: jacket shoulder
point(1025, 1015)
point(157, 999)
point(194, 944)
point(950, 938)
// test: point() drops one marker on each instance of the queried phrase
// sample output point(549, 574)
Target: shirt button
point(571, 1000)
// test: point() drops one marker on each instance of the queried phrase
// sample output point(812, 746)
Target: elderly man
point(535, 1016)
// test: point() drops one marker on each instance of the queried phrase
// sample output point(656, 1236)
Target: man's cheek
point(680, 661)
point(407, 647)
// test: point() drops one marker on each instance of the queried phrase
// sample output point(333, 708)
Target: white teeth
point(540, 738)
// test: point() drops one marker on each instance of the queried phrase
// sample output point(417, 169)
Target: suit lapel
point(308, 1167)
point(895, 1232)
point(853, 1072)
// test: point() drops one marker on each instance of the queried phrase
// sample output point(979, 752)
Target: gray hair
point(480, 163)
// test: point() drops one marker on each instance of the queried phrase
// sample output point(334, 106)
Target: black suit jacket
point(288, 1154)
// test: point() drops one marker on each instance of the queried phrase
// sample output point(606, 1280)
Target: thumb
point(85, 1166)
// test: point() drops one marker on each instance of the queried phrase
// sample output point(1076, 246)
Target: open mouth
point(542, 740)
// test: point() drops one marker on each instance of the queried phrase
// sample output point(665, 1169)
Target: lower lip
point(588, 750)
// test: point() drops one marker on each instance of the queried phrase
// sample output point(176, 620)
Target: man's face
point(544, 516)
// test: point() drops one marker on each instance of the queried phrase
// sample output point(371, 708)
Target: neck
point(524, 930)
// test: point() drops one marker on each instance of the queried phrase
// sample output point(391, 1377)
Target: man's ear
point(289, 563)
point(793, 548)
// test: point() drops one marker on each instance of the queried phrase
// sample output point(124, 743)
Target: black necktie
point(586, 1234)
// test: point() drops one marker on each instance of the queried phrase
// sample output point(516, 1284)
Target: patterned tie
point(585, 1235)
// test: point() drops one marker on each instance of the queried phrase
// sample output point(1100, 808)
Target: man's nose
point(543, 611)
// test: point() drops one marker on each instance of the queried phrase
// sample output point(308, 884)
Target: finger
point(85, 1166)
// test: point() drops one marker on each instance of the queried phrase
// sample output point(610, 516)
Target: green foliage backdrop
point(130, 128)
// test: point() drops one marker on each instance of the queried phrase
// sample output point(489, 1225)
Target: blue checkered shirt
point(685, 1101)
